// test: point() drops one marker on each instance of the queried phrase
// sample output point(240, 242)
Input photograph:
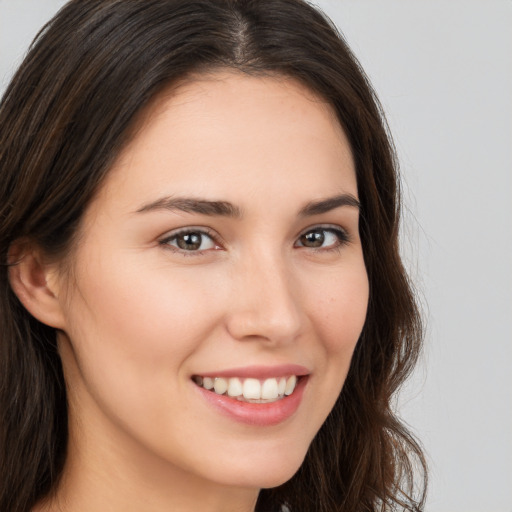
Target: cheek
point(336, 305)
point(132, 331)
point(339, 310)
point(149, 313)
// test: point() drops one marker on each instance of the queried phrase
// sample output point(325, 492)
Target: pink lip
point(261, 415)
point(260, 372)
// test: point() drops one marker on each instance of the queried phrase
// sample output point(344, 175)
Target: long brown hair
point(64, 118)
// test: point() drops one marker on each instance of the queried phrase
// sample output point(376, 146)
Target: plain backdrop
point(443, 72)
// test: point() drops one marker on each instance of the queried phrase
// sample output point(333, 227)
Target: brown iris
point(313, 238)
point(189, 241)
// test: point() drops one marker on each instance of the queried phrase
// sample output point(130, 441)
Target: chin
point(266, 470)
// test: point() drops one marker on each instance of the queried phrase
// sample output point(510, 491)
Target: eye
point(190, 240)
point(323, 238)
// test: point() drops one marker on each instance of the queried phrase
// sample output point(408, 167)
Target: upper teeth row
point(250, 389)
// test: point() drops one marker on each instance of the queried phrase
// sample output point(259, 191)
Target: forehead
point(224, 132)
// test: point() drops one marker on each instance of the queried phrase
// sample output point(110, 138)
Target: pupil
point(313, 239)
point(189, 241)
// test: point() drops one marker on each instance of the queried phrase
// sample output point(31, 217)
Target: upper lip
point(260, 372)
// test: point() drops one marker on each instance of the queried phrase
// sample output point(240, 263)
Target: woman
point(203, 304)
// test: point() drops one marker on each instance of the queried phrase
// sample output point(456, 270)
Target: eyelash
point(342, 236)
point(190, 231)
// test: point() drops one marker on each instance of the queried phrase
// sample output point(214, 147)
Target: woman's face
point(223, 249)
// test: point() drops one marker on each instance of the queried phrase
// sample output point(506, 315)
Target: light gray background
point(443, 71)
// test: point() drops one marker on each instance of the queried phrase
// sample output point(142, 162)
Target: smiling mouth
point(259, 391)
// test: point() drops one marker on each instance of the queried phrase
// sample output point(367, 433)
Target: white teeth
point(282, 386)
point(235, 387)
point(220, 385)
point(290, 385)
point(250, 389)
point(269, 390)
point(207, 383)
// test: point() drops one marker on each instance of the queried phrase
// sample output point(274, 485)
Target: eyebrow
point(331, 203)
point(227, 209)
point(192, 205)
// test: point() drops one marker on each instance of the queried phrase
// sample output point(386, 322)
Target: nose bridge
point(264, 304)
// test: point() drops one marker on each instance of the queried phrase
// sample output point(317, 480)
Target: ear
point(36, 284)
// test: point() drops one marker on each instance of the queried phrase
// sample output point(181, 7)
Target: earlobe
point(34, 283)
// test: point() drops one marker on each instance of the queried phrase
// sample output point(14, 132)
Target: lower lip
point(261, 415)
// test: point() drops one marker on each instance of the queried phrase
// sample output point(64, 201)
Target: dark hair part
point(64, 119)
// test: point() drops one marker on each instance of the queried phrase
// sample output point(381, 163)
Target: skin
point(138, 317)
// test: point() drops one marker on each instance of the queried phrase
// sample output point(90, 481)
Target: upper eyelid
point(169, 235)
point(327, 227)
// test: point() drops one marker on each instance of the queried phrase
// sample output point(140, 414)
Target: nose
point(265, 304)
